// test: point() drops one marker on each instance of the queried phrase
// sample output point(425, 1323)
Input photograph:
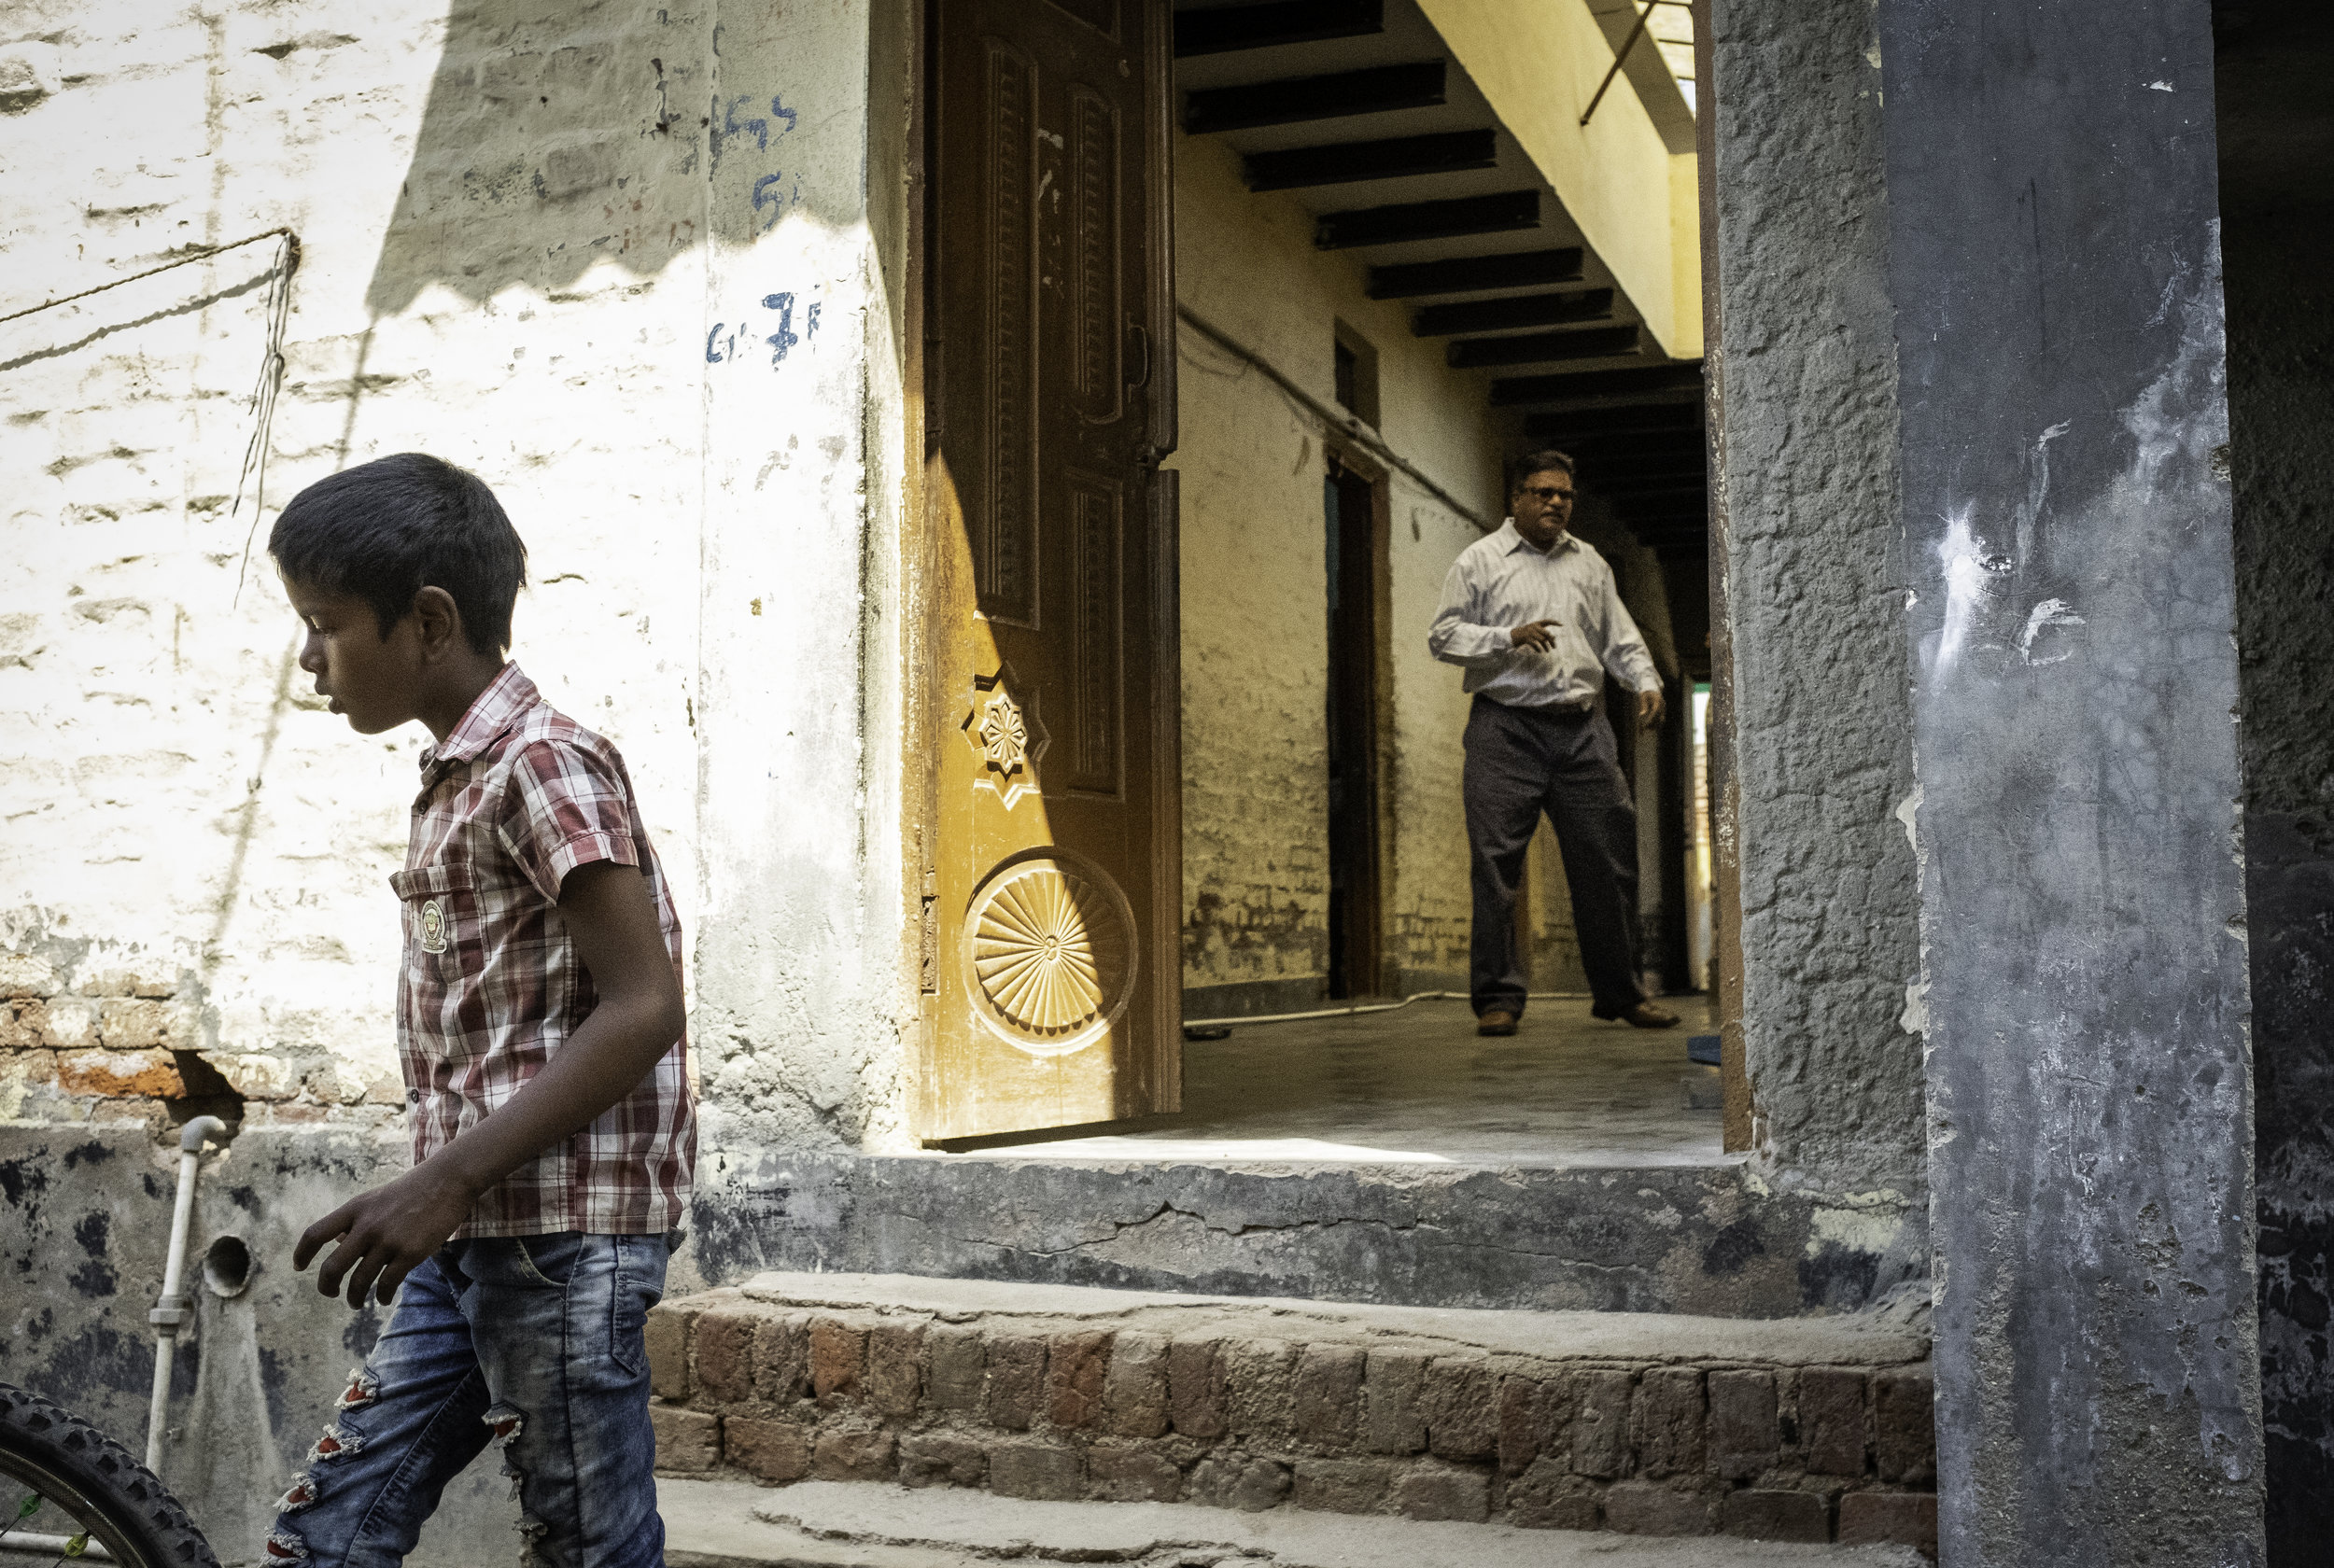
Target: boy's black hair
point(1546, 460)
point(384, 530)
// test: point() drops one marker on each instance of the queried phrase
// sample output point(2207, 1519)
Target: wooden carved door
point(1052, 958)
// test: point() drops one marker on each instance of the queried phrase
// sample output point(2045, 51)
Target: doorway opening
point(1379, 299)
point(1351, 513)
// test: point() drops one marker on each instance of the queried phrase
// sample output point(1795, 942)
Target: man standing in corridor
point(1530, 613)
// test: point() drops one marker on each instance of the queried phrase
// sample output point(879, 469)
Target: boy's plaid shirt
point(516, 797)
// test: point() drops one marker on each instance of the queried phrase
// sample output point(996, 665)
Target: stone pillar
point(2054, 261)
point(1811, 723)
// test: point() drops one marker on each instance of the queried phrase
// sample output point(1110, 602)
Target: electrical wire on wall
point(270, 373)
point(263, 390)
point(1347, 425)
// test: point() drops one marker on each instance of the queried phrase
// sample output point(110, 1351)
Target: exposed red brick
point(1394, 1416)
point(1119, 1472)
point(1831, 1419)
point(1462, 1399)
point(1328, 1396)
point(1031, 1467)
point(1195, 1388)
point(773, 1451)
point(942, 1458)
point(1600, 1422)
point(781, 1359)
point(838, 1357)
point(1745, 1431)
point(1016, 1381)
point(725, 1355)
point(1548, 1497)
point(1135, 1388)
point(853, 1453)
point(1428, 1491)
point(1343, 1486)
point(667, 1335)
point(896, 1368)
point(1667, 1421)
point(1775, 1516)
point(1636, 1509)
point(1904, 1425)
point(1519, 1424)
point(1074, 1368)
point(956, 1367)
point(685, 1439)
point(1885, 1518)
point(121, 1074)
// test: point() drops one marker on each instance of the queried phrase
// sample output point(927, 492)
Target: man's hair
point(1546, 460)
point(384, 530)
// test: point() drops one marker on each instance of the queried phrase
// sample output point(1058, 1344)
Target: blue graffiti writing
point(733, 126)
point(785, 338)
point(764, 197)
point(810, 320)
point(728, 346)
point(779, 111)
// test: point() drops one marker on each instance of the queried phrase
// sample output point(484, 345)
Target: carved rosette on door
point(1005, 730)
point(1049, 951)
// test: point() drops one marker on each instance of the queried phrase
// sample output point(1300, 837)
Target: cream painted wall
point(1540, 64)
point(1255, 626)
point(630, 280)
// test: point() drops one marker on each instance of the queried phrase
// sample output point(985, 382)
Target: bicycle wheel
point(61, 1477)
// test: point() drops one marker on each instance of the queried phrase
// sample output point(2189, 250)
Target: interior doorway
point(1355, 548)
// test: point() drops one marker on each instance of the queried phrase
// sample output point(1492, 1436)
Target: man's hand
point(385, 1234)
point(1650, 708)
point(1534, 635)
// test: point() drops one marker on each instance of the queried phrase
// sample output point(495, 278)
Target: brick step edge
point(776, 1393)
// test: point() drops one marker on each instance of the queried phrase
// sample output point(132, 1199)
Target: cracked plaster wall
point(632, 278)
point(1811, 580)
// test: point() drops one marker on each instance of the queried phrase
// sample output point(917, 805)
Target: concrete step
point(1706, 1237)
point(1810, 1430)
point(833, 1524)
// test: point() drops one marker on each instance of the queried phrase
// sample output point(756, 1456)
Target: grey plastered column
point(2054, 261)
point(1807, 589)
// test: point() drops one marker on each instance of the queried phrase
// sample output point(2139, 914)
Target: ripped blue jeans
point(534, 1345)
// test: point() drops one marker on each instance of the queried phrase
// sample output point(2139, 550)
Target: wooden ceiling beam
point(1294, 100)
point(1443, 152)
point(1501, 212)
point(1518, 310)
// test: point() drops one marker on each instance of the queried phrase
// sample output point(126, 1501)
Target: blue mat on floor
point(1702, 1048)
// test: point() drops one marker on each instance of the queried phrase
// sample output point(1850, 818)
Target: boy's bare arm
point(385, 1233)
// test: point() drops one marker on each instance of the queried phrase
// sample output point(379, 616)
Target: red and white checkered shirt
point(516, 797)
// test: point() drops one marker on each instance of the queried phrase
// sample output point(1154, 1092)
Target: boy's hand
point(385, 1234)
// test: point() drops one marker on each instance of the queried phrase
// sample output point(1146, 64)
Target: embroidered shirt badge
point(432, 926)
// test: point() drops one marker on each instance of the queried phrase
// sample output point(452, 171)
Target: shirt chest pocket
point(443, 935)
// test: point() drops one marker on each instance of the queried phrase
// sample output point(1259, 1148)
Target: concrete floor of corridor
point(1418, 1086)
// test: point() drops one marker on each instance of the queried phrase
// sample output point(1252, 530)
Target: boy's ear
point(438, 620)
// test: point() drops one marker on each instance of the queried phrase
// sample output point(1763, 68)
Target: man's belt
point(1578, 709)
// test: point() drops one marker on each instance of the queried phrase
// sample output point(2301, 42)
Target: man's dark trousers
point(1520, 763)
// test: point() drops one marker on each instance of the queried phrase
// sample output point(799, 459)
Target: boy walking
point(539, 1025)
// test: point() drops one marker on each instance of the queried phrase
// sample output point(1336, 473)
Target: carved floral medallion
point(1049, 943)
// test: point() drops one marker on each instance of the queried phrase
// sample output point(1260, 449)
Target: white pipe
point(1365, 1007)
point(29, 1541)
point(173, 1308)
